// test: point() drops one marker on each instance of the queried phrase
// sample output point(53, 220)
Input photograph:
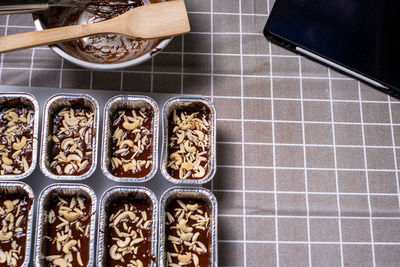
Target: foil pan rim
point(105, 142)
point(164, 149)
point(35, 104)
point(40, 213)
point(45, 123)
point(214, 207)
point(29, 232)
point(101, 226)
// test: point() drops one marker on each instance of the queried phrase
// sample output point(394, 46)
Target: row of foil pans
point(158, 216)
point(58, 101)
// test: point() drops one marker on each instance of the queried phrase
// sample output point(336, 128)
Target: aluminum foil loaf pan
point(113, 197)
point(188, 193)
point(28, 100)
point(128, 102)
point(47, 198)
point(191, 104)
point(15, 189)
point(52, 107)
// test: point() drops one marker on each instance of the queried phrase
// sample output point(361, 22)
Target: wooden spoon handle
point(49, 36)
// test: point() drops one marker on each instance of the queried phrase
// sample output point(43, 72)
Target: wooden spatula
point(153, 21)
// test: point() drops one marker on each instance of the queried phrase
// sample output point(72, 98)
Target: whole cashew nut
point(71, 216)
point(124, 243)
point(74, 157)
point(67, 142)
point(200, 134)
point(131, 126)
point(123, 215)
point(113, 253)
point(178, 159)
point(185, 258)
point(71, 121)
point(186, 236)
point(189, 148)
point(6, 160)
point(187, 166)
point(13, 116)
point(200, 173)
point(126, 142)
point(60, 262)
point(21, 144)
point(69, 245)
point(68, 168)
point(5, 236)
point(184, 227)
point(9, 206)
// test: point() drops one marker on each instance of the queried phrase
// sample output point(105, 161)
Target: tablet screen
point(362, 35)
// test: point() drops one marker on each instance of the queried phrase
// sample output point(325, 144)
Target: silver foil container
point(169, 106)
point(52, 105)
point(107, 198)
point(127, 102)
point(19, 187)
point(30, 101)
point(189, 192)
point(43, 209)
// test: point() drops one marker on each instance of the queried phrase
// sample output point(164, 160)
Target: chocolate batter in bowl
point(102, 51)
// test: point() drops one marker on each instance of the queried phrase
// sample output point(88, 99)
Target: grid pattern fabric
point(308, 159)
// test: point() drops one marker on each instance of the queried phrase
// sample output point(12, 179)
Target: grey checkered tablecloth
point(308, 159)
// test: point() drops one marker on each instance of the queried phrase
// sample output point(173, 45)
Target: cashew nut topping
point(187, 166)
point(69, 245)
point(181, 137)
point(139, 263)
point(68, 168)
point(186, 236)
point(184, 227)
point(60, 262)
point(3, 257)
point(71, 216)
point(71, 121)
point(9, 206)
point(21, 144)
point(123, 215)
point(13, 116)
point(195, 260)
point(192, 207)
point(131, 166)
point(74, 157)
point(178, 159)
point(189, 148)
point(200, 134)
point(131, 126)
point(200, 173)
point(113, 253)
point(67, 142)
point(126, 142)
point(185, 258)
point(6, 160)
point(5, 236)
point(124, 243)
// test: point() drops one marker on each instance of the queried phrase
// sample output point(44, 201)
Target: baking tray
point(98, 181)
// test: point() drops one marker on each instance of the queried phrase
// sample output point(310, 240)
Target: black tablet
point(360, 37)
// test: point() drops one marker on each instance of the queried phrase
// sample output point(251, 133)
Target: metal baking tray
point(97, 181)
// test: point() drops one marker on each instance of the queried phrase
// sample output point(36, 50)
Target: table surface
point(307, 157)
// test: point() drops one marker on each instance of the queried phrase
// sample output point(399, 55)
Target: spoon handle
point(31, 39)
